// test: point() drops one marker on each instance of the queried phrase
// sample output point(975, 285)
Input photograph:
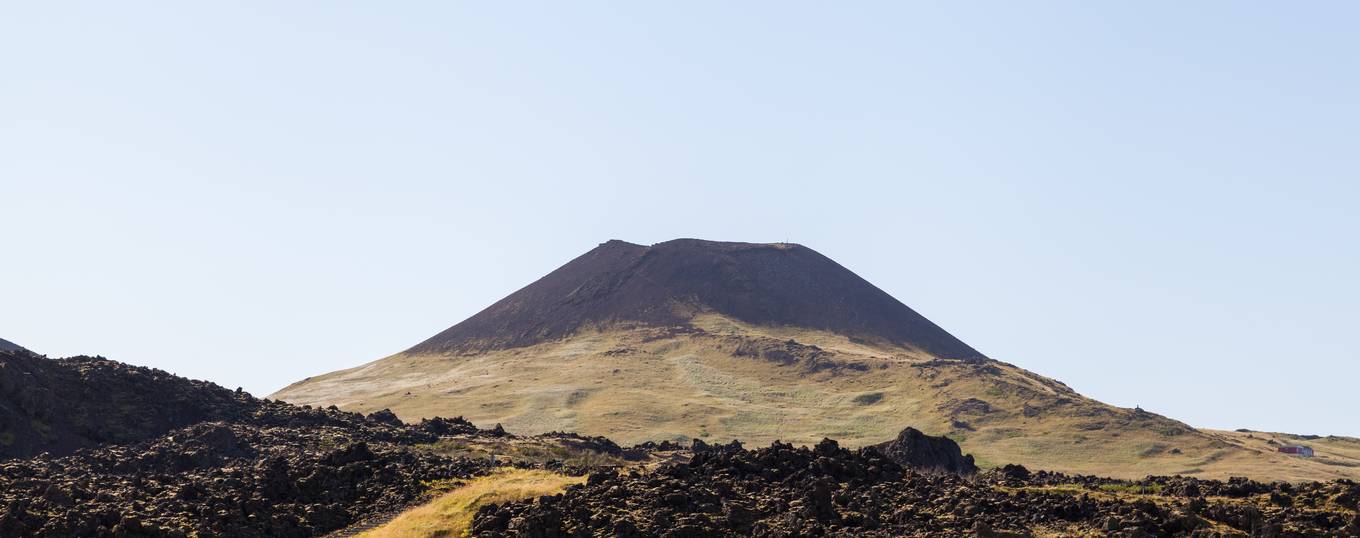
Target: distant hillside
point(693, 339)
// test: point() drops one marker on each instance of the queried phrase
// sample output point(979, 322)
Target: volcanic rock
point(917, 450)
point(831, 491)
point(280, 471)
point(60, 405)
point(130, 451)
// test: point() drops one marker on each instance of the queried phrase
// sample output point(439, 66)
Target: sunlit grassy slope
point(450, 515)
point(759, 384)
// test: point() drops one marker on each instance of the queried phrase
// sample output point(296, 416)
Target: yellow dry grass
point(636, 385)
point(450, 515)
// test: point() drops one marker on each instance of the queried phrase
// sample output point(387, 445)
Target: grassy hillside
point(450, 515)
point(723, 380)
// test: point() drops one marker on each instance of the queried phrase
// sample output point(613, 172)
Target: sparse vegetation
point(1137, 489)
point(520, 450)
point(450, 515)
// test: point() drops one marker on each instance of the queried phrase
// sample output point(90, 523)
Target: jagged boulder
point(385, 416)
point(448, 426)
point(917, 450)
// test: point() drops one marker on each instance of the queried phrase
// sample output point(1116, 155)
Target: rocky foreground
point(284, 471)
point(783, 491)
point(129, 451)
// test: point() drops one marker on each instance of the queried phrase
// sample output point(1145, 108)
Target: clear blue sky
point(1155, 202)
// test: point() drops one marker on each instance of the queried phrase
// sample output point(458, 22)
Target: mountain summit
point(666, 284)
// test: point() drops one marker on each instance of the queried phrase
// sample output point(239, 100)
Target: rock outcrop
point(60, 405)
point(917, 450)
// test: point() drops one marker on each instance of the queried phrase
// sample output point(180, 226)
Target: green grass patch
point(525, 451)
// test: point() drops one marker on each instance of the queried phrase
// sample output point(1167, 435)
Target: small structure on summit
point(1298, 450)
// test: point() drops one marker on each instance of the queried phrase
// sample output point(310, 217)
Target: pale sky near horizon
point(1156, 203)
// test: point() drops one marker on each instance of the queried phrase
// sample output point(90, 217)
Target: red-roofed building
point(1298, 450)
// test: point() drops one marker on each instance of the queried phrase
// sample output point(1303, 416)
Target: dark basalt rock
point(830, 491)
point(60, 405)
point(597, 444)
point(129, 451)
point(1013, 472)
point(385, 416)
point(448, 426)
point(663, 446)
point(699, 445)
point(917, 450)
point(281, 471)
point(259, 468)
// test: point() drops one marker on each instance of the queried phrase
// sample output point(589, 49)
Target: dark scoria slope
point(60, 405)
point(6, 345)
point(761, 284)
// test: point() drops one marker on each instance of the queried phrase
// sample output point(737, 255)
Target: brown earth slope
point(718, 341)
